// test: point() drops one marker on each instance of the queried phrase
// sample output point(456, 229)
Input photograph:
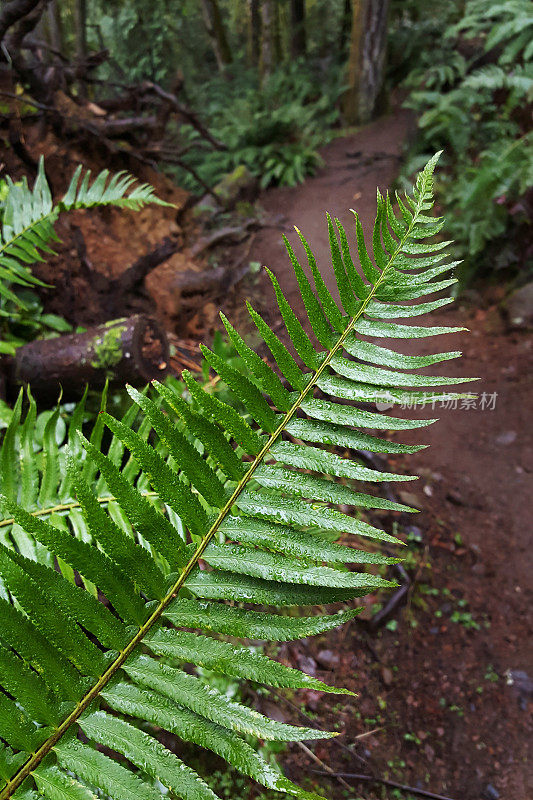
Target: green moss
point(108, 347)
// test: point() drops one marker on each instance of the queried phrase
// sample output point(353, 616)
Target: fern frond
point(493, 77)
point(244, 509)
point(507, 25)
point(27, 221)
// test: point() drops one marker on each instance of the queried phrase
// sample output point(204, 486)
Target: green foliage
point(505, 25)
point(27, 218)
point(415, 33)
point(475, 106)
point(126, 27)
point(150, 46)
point(183, 517)
point(274, 128)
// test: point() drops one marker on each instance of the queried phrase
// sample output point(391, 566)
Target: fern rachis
point(253, 533)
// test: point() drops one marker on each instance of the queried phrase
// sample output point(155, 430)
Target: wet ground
point(447, 682)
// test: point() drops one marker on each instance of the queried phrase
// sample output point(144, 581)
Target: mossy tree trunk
point(217, 33)
point(254, 32)
point(366, 61)
point(270, 38)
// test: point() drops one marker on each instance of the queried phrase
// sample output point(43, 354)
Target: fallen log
point(132, 350)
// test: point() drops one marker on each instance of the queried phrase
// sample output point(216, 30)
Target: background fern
point(27, 218)
point(472, 90)
point(98, 605)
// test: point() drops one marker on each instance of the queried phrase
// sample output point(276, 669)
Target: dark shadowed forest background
point(249, 117)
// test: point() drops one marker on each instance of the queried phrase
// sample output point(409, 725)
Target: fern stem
point(123, 655)
point(42, 512)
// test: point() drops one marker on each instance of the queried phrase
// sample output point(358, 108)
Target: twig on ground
point(308, 719)
point(183, 164)
point(369, 733)
point(383, 781)
point(326, 770)
point(396, 600)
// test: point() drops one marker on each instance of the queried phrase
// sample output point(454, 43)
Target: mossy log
point(132, 350)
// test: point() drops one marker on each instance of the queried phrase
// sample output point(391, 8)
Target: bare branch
point(185, 112)
point(13, 12)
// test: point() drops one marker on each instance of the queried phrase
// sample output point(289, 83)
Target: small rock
point(508, 437)
point(410, 499)
point(386, 674)
point(490, 792)
point(429, 475)
point(210, 313)
point(519, 307)
point(521, 681)
point(313, 699)
point(307, 664)
point(273, 711)
point(328, 659)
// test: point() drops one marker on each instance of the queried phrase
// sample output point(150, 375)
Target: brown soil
point(98, 246)
point(438, 682)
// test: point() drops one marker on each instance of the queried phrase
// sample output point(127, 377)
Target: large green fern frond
point(28, 216)
point(97, 657)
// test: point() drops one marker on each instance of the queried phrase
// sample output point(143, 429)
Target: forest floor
point(446, 685)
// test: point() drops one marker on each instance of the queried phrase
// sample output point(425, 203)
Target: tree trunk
point(367, 59)
point(298, 36)
point(254, 35)
point(132, 350)
point(268, 37)
point(80, 25)
point(217, 34)
point(54, 26)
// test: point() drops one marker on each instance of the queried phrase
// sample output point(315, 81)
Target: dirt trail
point(353, 167)
point(439, 682)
